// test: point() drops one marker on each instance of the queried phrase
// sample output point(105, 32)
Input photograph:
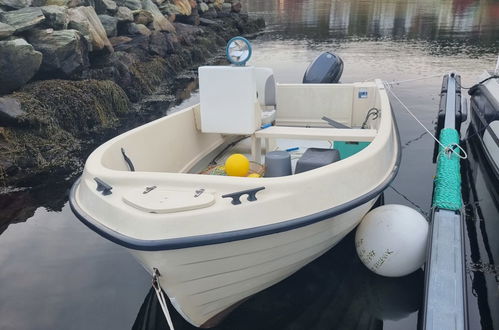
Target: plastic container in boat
point(277, 163)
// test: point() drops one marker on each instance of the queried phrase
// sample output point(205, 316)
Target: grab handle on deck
point(236, 196)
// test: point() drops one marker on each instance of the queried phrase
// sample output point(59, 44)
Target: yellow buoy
point(254, 175)
point(237, 165)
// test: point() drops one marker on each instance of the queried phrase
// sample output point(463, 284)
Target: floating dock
point(445, 304)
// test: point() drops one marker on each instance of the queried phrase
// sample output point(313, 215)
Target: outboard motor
point(325, 69)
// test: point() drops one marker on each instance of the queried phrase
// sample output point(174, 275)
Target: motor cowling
point(325, 69)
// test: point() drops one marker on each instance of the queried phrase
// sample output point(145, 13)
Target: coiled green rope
point(447, 193)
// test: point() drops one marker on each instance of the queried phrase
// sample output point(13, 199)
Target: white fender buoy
point(391, 240)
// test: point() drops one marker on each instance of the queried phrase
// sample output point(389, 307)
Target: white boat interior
point(168, 154)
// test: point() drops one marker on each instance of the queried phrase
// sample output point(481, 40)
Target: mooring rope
point(161, 297)
point(397, 82)
point(448, 149)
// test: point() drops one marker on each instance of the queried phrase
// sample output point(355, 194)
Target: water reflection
point(482, 228)
point(336, 291)
point(19, 206)
point(454, 22)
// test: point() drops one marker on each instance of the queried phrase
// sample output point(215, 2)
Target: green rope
point(447, 193)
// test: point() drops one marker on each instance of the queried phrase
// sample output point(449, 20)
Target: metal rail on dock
point(445, 295)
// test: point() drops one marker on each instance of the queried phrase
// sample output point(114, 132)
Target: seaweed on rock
point(60, 115)
point(148, 75)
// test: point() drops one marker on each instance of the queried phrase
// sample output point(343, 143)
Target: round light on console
point(238, 51)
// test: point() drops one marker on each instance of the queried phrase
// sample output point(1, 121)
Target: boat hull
point(204, 282)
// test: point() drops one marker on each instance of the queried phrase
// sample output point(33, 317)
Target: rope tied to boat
point(161, 297)
point(448, 149)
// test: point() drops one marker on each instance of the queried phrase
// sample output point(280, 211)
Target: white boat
point(485, 118)
point(217, 240)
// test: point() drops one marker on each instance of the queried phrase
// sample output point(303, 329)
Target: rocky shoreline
point(76, 72)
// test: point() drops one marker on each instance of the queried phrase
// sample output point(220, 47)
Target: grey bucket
point(277, 163)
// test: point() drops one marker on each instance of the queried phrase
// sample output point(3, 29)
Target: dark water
point(57, 274)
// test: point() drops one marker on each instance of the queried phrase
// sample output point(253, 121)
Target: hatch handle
point(104, 187)
point(236, 196)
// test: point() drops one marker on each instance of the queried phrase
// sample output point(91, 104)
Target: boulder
point(169, 9)
point(184, 7)
point(22, 19)
point(56, 17)
point(160, 44)
point(80, 3)
point(124, 14)
point(120, 40)
point(187, 33)
point(211, 13)
point(110, 24)
point(137, 46)
point(15, 4)
point(19, 62)
point(192, 19)
point(226, 7)
point(65, 52)
point(143, 17)
point(10, 112)
point(42, 3)
point(236, 6)
point(203, 7)
point(104, 7)
point(160, 23)
point(6, 31)
point(135, 29)
point(85, 20)
point(131, 4)
point(218, 3)
point(208, 22)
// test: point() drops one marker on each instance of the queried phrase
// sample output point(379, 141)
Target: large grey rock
point(169, 9)
point(124, 14)
point(41, 3)
point(131, 4)
point(10, 111)
point(203, 7)
point(19, 62)
point(22, 19)
point(56, 17)
point(143, 17)
point(85, 20)
point(237, 6)
point(6, 30)
point(160, 43)
point(110, 24)
point(65, 52)
point(160, 23)
point(80, 3)
point(15, 4)
point(104, 7)
point(136, 29)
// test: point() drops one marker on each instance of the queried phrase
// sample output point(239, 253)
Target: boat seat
point(316, 157)
point(265, 87)
point(307, 133)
